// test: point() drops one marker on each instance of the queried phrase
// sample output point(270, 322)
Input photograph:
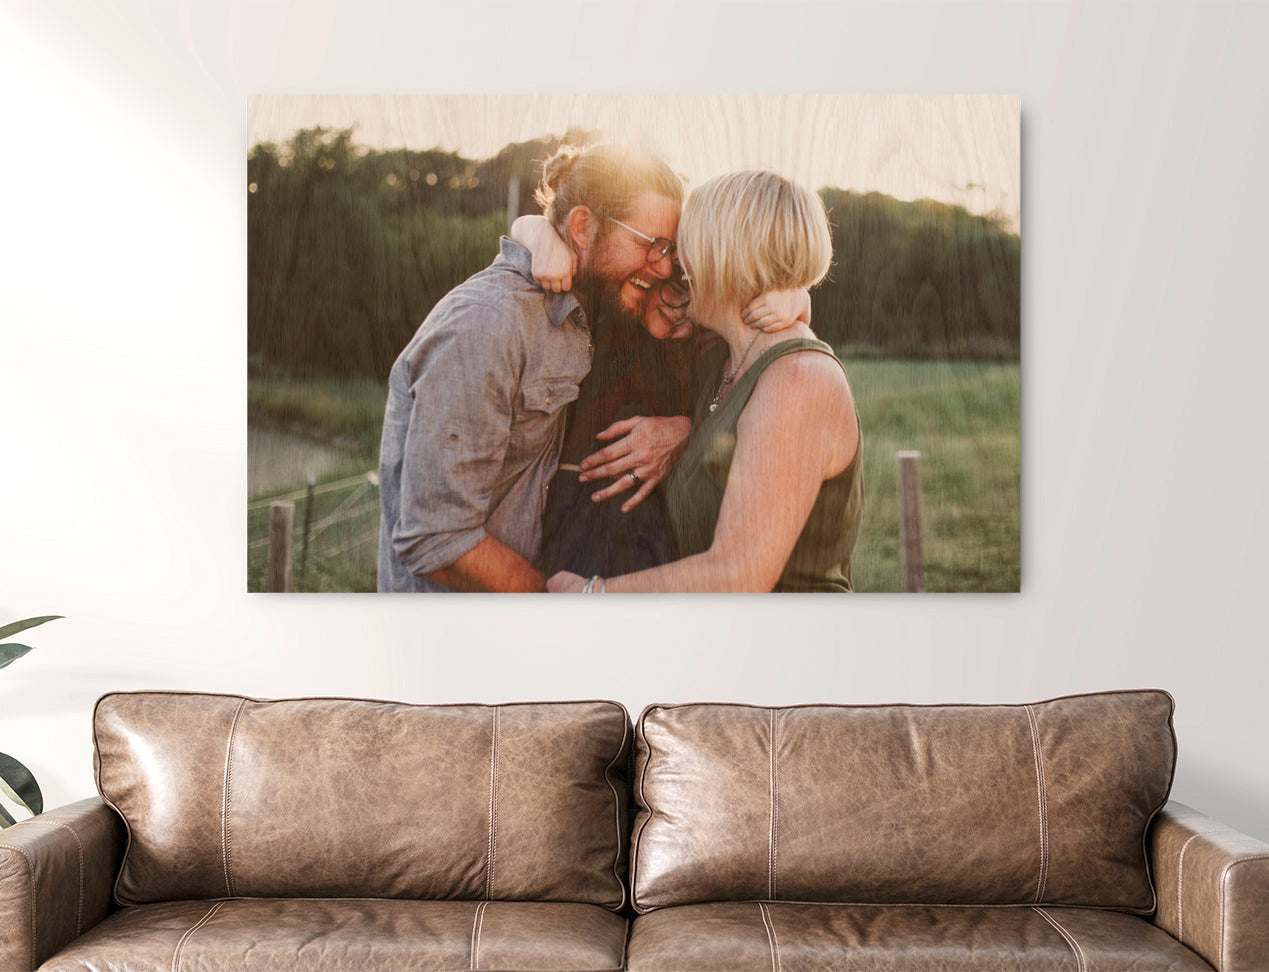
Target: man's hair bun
point(605, 178)
point(555, 172)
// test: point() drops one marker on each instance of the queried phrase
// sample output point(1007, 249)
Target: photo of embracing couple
point(694, 343)
point(630, 398)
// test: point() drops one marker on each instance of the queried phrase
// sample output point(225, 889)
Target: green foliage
point(339, 410)
point(918, 280)
point(11, 651)
point(16, 781)
point(349, 249)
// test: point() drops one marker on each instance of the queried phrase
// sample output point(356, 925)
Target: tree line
point(348, 249)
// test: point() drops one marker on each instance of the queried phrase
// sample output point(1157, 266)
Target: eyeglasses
point(658, 247)
point(676, 291)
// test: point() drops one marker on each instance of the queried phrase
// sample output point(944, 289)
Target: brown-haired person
point(630, 420)
point(768, 494)
point(477, 399)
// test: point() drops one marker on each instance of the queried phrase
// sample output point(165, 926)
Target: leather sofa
point(324, 834)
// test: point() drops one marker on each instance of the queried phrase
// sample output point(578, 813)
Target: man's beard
point(602, 299)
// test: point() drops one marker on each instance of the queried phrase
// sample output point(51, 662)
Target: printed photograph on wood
point(694, 343)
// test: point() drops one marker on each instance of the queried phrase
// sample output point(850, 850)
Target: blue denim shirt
point(475, 419)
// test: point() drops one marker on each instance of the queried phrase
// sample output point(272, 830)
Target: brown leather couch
point(331, 834)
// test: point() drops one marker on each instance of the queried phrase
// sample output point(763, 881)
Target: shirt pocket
point(544, 397)
point(538, 425)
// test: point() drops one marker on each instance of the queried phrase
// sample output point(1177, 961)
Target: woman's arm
point(797, 430)
point(554, 262)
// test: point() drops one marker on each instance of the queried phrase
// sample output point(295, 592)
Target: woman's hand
point(776, 310)
point(565, 583)
point(644, 452)
point(554, 262)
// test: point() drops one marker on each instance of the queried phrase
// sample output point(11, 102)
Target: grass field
point(328, 429)
point(342, 526)
point(963, 417)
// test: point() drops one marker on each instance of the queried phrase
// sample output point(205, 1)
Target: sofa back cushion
point(989, 805)
point(225, 796)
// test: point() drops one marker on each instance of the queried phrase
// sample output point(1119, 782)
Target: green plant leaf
point(11, 652)
point(17, 783)
point(16, 626)
point(5, 819)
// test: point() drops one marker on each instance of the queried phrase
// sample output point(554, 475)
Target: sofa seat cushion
point(308, 935)
point(782, 937)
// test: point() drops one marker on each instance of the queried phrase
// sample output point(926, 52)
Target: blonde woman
point(768, 494)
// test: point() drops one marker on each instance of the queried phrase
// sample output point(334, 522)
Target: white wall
point(123, 385)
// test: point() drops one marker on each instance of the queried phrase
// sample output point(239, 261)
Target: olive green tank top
point(821, 558)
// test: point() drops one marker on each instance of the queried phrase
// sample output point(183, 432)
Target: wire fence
point(333, 540)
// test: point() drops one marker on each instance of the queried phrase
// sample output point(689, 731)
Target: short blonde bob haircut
point(748, 232)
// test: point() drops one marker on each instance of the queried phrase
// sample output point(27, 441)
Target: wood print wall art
point(643, 343)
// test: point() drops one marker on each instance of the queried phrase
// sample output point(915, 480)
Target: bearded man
point(477, 400)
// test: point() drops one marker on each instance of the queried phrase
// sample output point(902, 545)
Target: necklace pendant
point(713, 406)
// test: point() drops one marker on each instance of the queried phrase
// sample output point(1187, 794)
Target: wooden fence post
point(910, 521)
point(281, 523)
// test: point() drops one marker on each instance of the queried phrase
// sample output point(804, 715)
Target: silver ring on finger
point(635, 477)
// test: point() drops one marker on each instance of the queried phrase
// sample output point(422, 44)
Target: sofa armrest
point(57, 871)
point(1213, 887)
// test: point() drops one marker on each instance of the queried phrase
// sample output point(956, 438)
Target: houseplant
point(16, 781)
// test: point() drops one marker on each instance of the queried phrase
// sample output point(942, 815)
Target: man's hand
point(490, 566)
point(643, 454)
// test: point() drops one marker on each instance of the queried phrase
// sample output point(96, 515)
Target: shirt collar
point(559, 307)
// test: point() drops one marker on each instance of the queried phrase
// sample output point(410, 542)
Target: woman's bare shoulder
point(811, 375)
point(805, 397)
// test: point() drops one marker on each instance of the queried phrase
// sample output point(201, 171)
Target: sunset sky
point(960, 149)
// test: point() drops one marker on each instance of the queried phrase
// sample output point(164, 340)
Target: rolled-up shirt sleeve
point(455, 396)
